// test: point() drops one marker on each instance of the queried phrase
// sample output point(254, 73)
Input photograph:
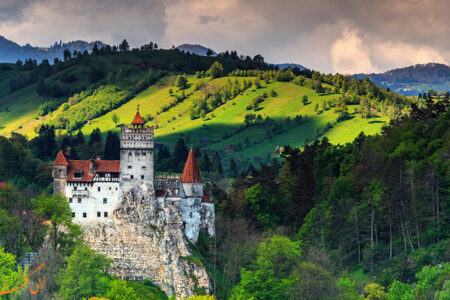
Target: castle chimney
point(98, 157)
point(91, 166)
point(68, 152)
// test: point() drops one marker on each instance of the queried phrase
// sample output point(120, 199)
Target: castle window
point(99, 214)
point(144, 154)
point(70, 200)
point(73, 215)
point(142, 176)
point(77, 174)
point(85, 188)
point(98, 189)
point(105, 200)
point(144, 167)
point(129, 156)
point(84, 215)
point(105, 214)
point(131, 176)
point(129, 167)
point(109, 188)
point(74, 187)
point(79, 199)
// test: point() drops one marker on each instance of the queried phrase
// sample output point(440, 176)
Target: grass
point(221, 127)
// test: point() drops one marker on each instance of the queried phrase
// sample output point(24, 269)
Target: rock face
point(146, 241)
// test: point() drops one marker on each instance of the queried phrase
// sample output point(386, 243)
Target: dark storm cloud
point(330, 35)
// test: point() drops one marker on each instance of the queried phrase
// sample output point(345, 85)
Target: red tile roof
point(101, 166)
point(137, 119)
point(191, 172)
point(60, 159)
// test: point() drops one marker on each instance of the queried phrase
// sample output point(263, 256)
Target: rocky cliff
point(145, 240)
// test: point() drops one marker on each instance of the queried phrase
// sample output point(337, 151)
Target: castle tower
point(136, 154)
point(191, 178)
point(59, 174)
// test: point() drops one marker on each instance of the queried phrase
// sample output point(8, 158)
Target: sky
point(346, 36)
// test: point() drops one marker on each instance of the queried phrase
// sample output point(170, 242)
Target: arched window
point(130, 156)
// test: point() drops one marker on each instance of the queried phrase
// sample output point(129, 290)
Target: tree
point(95, 137)
point(45, 143)
point(375, 291)
point(216, 70)
point(233, 168)
point(115, 118)
point(270, 278)
point(11, 275)
point(260, 206)
point(55, 209)
point(112, 147)
point(67, 55)
point(209, 52)
point(118, 290)
point(95, 50)
point(217, 164)
point(85, 275)
point(180, 154)
point(318, 87)
point(182, 82)
point(305, 100)
point(124, 46)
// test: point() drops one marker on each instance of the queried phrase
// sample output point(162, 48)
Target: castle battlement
point(95, 187)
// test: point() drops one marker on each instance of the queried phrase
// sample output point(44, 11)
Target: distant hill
point(196, 49)
point(290, 65)
point(10, 51)
point(413, 80)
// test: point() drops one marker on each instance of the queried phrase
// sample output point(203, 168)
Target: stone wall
point(146, 240)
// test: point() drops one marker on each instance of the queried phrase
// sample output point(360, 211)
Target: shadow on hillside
point(376, 122)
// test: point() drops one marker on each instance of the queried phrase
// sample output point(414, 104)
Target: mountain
point(10, 51)
point(290, 65)
point(196, 49)
point(413, 80)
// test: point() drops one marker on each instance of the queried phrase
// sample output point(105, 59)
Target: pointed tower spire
point(137, 119)
point(191, 172)
point(60, 160)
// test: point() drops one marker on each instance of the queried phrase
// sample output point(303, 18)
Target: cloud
point(328, 35)
point(349, 55)
point(216, 23)
point(45, 21)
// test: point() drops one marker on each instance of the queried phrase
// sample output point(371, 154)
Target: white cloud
point(390, 55)
point(350, 55)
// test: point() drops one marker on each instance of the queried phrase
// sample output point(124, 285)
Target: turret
point(191, 178)
point(59, 174)
point(136, 154)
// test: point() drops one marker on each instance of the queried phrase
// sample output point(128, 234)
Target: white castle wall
point(92, 197)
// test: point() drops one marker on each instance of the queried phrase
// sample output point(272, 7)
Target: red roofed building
point(95, 187)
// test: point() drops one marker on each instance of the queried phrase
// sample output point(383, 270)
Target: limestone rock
point(146, 241)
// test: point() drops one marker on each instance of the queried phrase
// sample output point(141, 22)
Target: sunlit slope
point(224, 126)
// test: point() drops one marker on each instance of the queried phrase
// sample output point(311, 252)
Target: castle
point(94, 187)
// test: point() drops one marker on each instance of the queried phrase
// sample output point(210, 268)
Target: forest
point(362, 220)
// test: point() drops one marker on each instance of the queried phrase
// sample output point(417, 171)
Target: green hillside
point(247, 113)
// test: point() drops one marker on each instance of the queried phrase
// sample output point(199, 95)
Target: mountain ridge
point(412, 80)
point(11, 51)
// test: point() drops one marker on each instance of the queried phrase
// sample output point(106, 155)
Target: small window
point(144, 167)
point(98, 189)
point(74, 188)
point(84, 215)
point(142, 176)
point(109, 188)
point(73, 215)
point(70, 200)
point(116, 189)
point(79, 199)
point(129, 167)
point(131, 176)
point(105, 200)
point(99, 214)
point(105, 214)
point(85, 188)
